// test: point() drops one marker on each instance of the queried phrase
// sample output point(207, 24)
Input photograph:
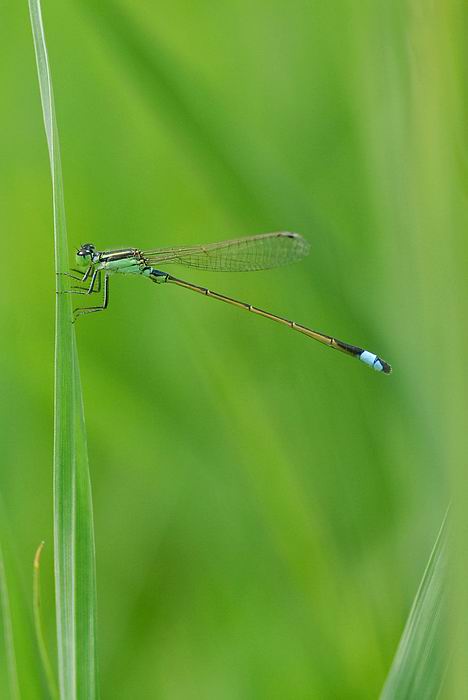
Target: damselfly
point(260, 252)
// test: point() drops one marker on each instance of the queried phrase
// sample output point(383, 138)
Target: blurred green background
point(264, 507)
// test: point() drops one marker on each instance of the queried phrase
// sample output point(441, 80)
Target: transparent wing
point(260, 252)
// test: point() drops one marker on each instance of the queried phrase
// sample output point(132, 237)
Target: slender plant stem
point(48, 672)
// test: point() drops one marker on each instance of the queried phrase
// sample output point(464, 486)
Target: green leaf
point(74, 554)
point(419, 666)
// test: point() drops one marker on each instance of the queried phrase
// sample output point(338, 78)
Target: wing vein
point(261, 252)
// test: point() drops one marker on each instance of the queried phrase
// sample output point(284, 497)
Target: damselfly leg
point(93, 309)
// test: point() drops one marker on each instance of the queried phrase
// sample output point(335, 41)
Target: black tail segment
point(347, 348)
point(386, 368)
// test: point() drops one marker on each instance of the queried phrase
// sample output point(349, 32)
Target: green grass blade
point(7, 629)
point(420, 664)
point(20, 666)
point(46, 665)
point(74, 555)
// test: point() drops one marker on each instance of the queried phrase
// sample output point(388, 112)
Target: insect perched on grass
point(260, 252)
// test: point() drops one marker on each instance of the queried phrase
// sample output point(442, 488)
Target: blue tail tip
point(375, 362)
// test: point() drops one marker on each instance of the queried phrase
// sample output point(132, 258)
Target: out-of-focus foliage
point(264, 507)
point(421, 663)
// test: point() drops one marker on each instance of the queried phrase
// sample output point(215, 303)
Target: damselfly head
point(84, 254)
